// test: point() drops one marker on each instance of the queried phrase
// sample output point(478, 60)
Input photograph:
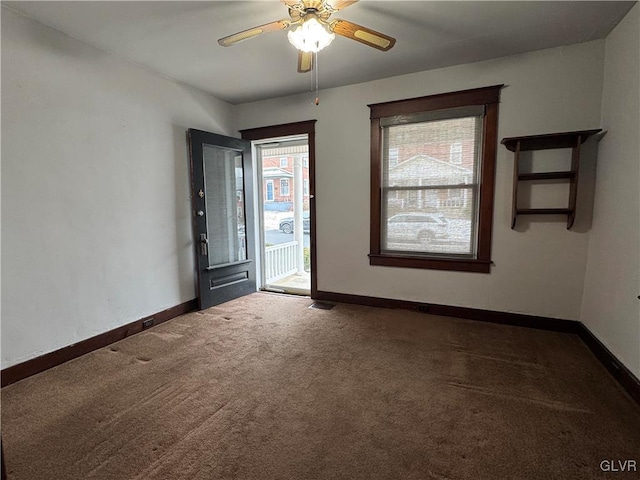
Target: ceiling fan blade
point(296, 6)
point(252, 32)
point(305, 61)
point(336, 5)
point(363, 35)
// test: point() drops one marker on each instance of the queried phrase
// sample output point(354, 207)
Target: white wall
point(610, 308)
point(95, 193)
point(96, 231)
point(539, 269)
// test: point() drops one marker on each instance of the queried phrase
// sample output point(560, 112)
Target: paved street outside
point(272, 234)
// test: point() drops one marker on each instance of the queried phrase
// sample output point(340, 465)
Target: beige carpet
point(265, 388)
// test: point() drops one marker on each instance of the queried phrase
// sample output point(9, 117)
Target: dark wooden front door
point(223, 216)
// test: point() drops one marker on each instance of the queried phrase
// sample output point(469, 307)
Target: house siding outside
point(277, 168)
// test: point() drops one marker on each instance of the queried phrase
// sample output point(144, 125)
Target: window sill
point(406, 261)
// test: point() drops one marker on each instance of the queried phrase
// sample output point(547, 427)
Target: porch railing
point(280, 261)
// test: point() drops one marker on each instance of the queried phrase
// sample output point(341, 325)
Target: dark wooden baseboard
point(617, 370)
point(39, 364)
point(622, 374)
point(517, 319)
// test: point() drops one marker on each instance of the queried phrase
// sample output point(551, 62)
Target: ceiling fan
point(314, 29)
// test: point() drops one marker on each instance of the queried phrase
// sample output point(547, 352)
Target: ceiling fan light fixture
point(311, 36)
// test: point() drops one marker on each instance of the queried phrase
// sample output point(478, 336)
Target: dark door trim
point(290, 129)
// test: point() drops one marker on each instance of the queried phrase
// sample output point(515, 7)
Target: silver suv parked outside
point(420, 228)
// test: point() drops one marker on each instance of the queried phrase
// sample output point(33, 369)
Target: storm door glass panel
point(226, 227)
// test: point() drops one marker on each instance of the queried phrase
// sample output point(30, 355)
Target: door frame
point(286, 130)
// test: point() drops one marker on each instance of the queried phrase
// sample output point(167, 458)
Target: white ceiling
point(179, 39)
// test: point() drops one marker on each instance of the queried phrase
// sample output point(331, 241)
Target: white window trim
point(266, 191)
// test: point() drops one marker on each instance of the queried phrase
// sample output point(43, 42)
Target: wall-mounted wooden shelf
point(572, 140)
point(545, 176)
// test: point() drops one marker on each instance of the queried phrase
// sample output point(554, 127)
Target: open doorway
point(285, 216)
point(283, 178)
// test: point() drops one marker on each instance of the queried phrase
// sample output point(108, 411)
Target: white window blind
point(429, 198)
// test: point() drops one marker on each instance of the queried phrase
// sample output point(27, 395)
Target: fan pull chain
point(315, 67)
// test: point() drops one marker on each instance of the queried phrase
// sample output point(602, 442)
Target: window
point(268, 193)
point(283, 162)
point(455, 153)
point(393, 157)
point(305, 186)
point(305, 161)
point(284, 187)
point(432, 200)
